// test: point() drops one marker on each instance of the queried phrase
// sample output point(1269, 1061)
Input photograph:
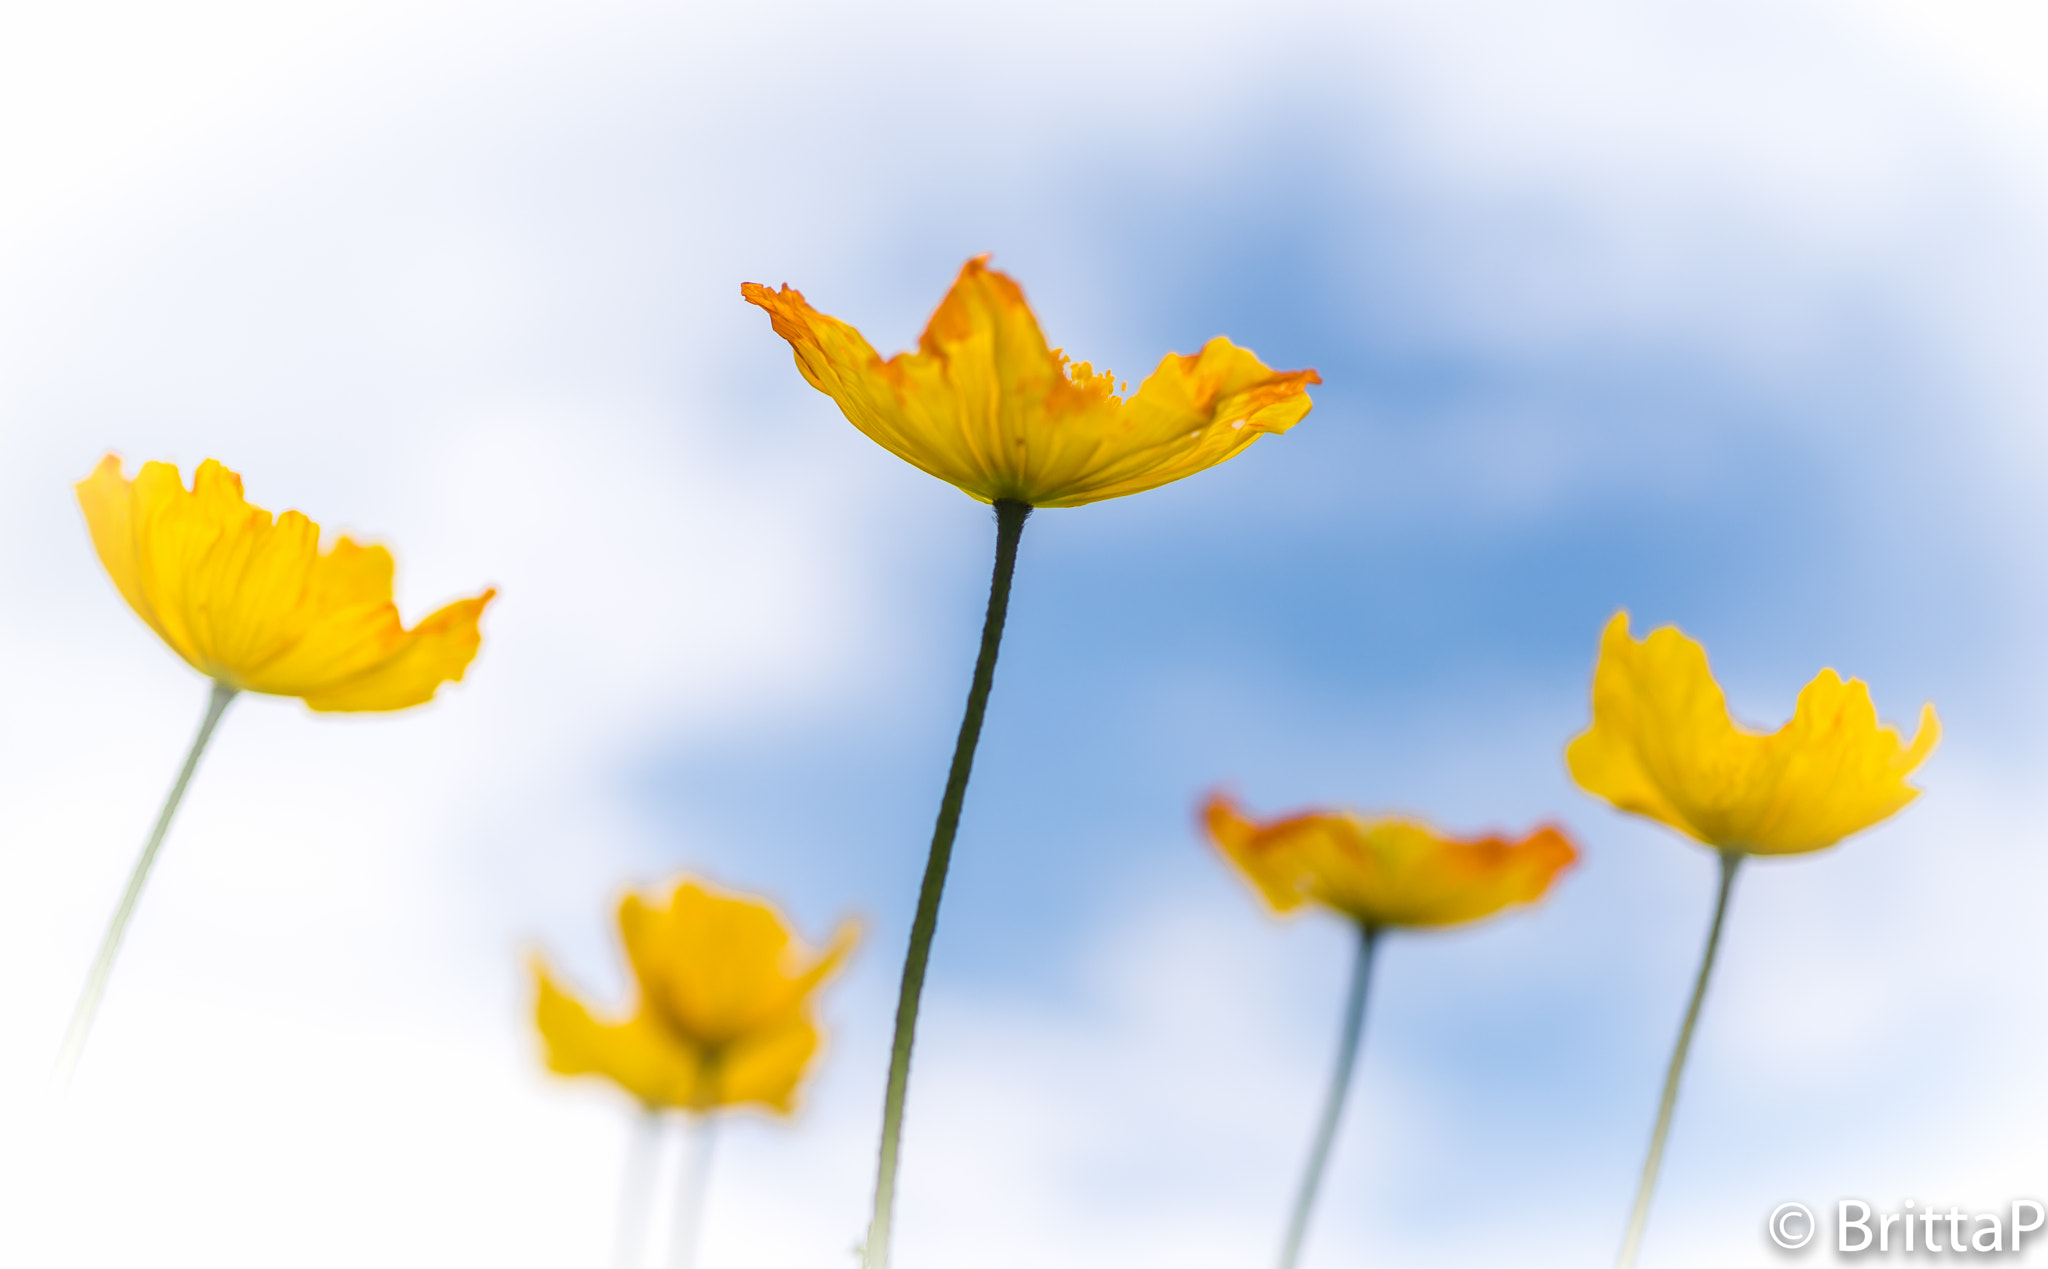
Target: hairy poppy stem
point(1333, 1105)
point(110, 943)
point(1631, 1243)
point(1010, 516)
point(698, 1138)
point(636, 1189)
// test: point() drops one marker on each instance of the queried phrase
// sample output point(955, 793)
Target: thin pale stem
point(636, 1190)
point(1333, 1104)
point(110, 944)
point(1639, 1217)
point(689, 1227)
point(1010, 517)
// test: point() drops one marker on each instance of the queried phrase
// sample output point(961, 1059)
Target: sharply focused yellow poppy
point(1386, 871)
point(1663, 745)
point(984, 404)
point(723, 1011)
point(254, 604)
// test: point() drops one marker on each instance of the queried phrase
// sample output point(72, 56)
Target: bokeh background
point(1730, 314)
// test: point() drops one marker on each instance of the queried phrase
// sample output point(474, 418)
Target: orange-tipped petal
point(1240, 840)
point(1387, 871)
point(438, 650)
point(987, 405)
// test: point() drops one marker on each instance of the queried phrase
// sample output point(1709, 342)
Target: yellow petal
point(254, 603)
point(1193, 413)
point(1387, 871)
point(765, 1068)
point(987, 405)
point(636, 1055)
point(1663, 745)
point(1239, 840)
point(414, 665)
point(721, 969)
point(110, 517)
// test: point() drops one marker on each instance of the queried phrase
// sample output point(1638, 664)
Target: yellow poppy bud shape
point(1663, 745)
point(254, 604)
point(1386, 871)
point(984, 404)
point(723, 1015)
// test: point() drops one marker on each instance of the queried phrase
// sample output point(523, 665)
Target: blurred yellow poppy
point(1386, 871)
point(723, 1014)
point(1663, 745)
point(254, 604)
point(984, 404)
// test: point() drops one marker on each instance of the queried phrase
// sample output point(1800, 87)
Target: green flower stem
point(110, 944)
point(1640, 1216)
point(636, 1189)
point(1010, 516)
point(689, 1227)
point(1333, 1104)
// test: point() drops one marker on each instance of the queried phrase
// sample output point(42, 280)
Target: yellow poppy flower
point(984, 404)
point(254, 604)
point(723, 1016)
point(1385, 871)
point(1662, 745)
